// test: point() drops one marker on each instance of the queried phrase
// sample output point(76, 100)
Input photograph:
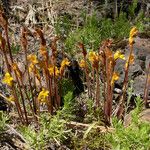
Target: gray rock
point(138, 85)
point(10, 139)
point(144, 116)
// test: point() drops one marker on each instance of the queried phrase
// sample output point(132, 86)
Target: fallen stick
point(78, 125)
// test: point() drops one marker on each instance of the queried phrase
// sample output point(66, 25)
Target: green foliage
point(15, 48)
point(93, 114)
point(94, 31)
point(132, 8)
point(52, 129)
point(3, 120)
point(67, 85)
point(94, 140)
point(68, 109)
point(136, 136)
point(63, 26)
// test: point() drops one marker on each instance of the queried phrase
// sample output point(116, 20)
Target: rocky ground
point(12, 140)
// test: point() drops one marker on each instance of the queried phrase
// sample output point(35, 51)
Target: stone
point(3, 104)
point(144, 116)
point(10, 139)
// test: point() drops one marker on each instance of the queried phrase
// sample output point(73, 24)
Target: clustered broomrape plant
point(102, 66)
point(43, 76)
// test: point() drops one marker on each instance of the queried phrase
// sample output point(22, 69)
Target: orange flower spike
point(115, 77)
point(8, 79)
point(16, 68)
point(133, 33)
point(43, 50)
point(41, 35)
point(130, 61)
point(23, 39)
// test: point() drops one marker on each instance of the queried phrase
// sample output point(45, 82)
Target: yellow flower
point(65, 62)
point(82, 63)
point(11, 98)
point(52, 69)
point(93, 56)
point(42, 97)
point(31, 67)
point(118, 55)
point(56, 71)
point(115, 77)
point(8, 79)
point(133, 32)
point(94, 59)
point(32, 58)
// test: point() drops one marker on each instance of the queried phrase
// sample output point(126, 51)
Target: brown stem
point(29, 79)
point(97, 89)
point(22, 98)
point(28, 100)
point(8, 43)
point(146, 89)
point(87, 78)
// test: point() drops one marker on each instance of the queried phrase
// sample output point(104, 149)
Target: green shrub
point(136, 136)
point(51, 130)
point(94, 31)
point(3, 121)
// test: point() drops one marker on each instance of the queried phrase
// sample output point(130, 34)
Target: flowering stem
point(120, 108)
point(8, 43)
point(14, 92)
point(87, 78)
